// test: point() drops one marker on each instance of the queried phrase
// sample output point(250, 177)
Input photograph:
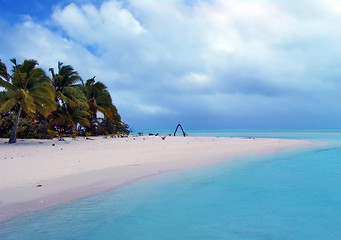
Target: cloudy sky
point(233, 64)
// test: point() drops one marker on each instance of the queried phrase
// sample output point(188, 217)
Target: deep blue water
point(294, 195)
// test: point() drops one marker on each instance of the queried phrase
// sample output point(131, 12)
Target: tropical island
point(36, 174)
point(34, 105)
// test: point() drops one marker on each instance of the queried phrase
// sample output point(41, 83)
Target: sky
point(214, 64)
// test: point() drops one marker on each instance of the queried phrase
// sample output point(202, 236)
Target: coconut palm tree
point(66, 83)
point(73, 106)
point(99, 100)
point(28, 89)
point(66, 119)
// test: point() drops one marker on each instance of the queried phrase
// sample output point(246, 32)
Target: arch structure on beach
point(176, 129)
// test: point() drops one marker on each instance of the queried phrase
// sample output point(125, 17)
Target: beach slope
point(35, 174)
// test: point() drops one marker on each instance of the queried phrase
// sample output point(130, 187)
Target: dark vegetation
point(35, 105)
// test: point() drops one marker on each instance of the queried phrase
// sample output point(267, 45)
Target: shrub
point(27, 128)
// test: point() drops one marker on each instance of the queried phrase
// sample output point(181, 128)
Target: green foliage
point(66, 83)
point(27, 90)
point(98, 100)
point(27, 128)
point(66, 119)
point(64, 104)
point(74, 135)
point(112, 127)
point(73, 108)
point(28, 87)
point(6, 125)
point(52, 134)
point(55, 134)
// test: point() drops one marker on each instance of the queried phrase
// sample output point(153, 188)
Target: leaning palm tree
point(28, 90)
point(72, 102)
point(99, 100)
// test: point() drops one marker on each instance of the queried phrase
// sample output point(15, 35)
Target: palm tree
point(99, 100)
point(66, 83)
point(66, 119)
point(28, 90)
point(72, 102)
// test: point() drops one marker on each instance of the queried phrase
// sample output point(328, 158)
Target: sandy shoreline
point(36, 174)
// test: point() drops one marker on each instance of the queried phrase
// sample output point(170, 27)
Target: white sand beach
point(35, 174)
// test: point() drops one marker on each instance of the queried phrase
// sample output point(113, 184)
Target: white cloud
point(179, 59)
point(89, 25)
point(197, 78)
point(34, 41)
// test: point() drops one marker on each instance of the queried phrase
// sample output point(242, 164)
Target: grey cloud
point(253, 85)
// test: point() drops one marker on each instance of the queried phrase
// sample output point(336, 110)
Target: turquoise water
point(293, 195)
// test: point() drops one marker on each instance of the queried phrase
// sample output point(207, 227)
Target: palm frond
point(6, 84)
point(28, 66)
point(3, 71)
point(7, 105)
point(27, 102)
point(35, 77)
point(65, 99)
point(45, 106)
point(45, 89)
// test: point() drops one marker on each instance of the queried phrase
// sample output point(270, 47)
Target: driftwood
point(183, 132)
point(152, 134)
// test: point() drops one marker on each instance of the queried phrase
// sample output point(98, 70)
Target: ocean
point(291, 195)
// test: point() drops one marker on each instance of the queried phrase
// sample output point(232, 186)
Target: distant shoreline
point(37, 174)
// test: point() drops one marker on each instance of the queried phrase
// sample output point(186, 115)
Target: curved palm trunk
point(13, 138)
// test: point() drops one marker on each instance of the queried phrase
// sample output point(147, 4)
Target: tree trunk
point(13, 138)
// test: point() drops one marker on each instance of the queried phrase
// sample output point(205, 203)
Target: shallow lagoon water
point(293, 195)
